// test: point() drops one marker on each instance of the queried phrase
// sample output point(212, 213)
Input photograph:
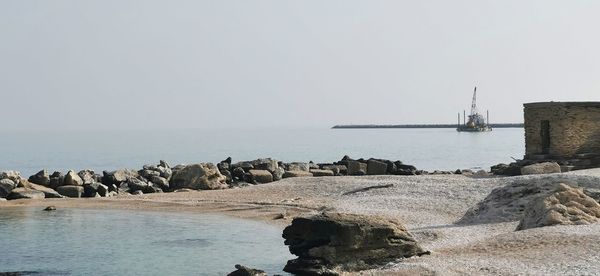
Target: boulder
point(289, 174)
point(72, 179)
point(56, 179)
point(148, 174)
point(566, 206)
point(246, 271)
point(87, 176)
point(330, 242)
point(93, 189)
point(161, 182)
point(245, 165)
point(74, 191)
point(319, 172)
point(135, 184)
point(541, 168)
point(261, 176)
point(119, 176)
point(203, 176)
point(356, 168)
point(238, 174)
point(298, 166)
point(265, 164)
point(6, 185)
point(278, 174)
point(402, 169)
point(336, 169)
point(48, 192)
point(41, 178)
point(375, 167)
point(15, 176)
point(19, 193)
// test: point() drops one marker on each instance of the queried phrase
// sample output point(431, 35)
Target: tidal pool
point(125, 242)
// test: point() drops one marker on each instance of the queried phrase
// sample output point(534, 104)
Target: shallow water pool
point(123, 242)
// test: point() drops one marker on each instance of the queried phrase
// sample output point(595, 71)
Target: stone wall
point(574, 128)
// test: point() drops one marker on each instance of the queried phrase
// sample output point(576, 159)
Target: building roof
point(563, 104)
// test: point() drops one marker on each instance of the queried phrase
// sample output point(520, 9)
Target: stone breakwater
point(202, 176)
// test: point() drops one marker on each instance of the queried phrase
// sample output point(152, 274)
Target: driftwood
point(368, 188)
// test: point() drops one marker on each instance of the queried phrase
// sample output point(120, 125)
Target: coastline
point(428, 206)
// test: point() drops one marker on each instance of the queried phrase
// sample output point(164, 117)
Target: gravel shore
point(428, 205)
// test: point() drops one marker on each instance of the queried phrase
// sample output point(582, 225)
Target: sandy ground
point(428, 205)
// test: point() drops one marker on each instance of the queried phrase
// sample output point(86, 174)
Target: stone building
point(568, 131)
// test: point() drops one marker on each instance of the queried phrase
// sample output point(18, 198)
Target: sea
point(427, 149)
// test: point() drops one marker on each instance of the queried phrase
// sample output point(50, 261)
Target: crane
point(474, 104)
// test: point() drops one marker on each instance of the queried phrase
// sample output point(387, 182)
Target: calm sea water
point(427, 149)
point(110, 242)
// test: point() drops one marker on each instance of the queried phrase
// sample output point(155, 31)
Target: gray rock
point(41, 178)
point(74, 191)
point(56, 179)
point(138, 192)
point(119, 176)
point(541, 168)
point(87, 176)
point(265, 164)
point(161, 182)
point(375, 167)
point(298, 166)
point(48, 192)
point(356, 168)
point(289, 174)
point(402, 169)
point(331, 241)
point(21, 193)
point(278, 174)
point(203, 176)
point(15, 176)
point(148, 174)
point(135, 184)
point(72, 179)
point(261, 176)
point(6, 185)
point(238, 174)
point(93, 189)
point(319, 172)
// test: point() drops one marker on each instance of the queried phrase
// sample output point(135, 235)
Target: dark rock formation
point(246, 271)
point(330, 242)
point(6, 185)
point(541, 168)
point(375, 167)
point(40, 178)
point(74, 191)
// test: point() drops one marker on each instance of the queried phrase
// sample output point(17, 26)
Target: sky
point(148, 64)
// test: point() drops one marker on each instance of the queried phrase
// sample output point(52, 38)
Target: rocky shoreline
point(162, 177)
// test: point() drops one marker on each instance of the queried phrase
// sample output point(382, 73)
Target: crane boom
point(474, 104)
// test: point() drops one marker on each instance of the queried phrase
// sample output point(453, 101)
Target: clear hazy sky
point(226, 64)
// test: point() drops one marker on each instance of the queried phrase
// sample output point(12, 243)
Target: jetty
point(502, 125)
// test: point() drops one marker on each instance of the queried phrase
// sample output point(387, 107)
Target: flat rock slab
point(19, 193)
point(317, 172)
point(288, 174)
point(71, 191)
point(541, 168)
point(261, 176)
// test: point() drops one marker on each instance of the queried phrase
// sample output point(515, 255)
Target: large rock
point(261, 176)
point(74, 191)
point(278, 174)
point(246, 271)
point(94, 190)
point(356, 168)
point(541, 168)
point(319, 172)
point(375, 167)
point(135, 184)
point(56, 179)
point(336, 169)
point(289, 174)
point(298, 166)
point(72, 179)
point(15, 176)
point(265, 164)
point(87, 176)
point(19, 193)
point(48, 193)
point(203, 176)
point(41, 178)
point(402, 169)
point(119, 176)
point(330, 242)
point(566, 206)
point(6, 185)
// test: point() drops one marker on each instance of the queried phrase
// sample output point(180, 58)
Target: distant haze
point(272, 63)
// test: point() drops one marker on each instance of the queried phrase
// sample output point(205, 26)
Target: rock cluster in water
point(202, 176)
point(332, 242)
